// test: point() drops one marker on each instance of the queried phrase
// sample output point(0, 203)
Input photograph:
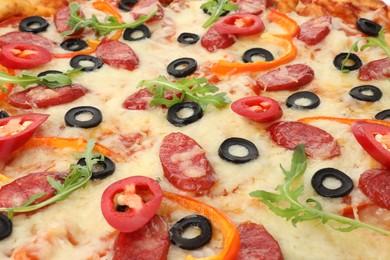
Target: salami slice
point(318, 143)
point(149, 242)
point(257, 244)
point(375, 70)
point(185, 164)
point(139, 100)
point(255, 7)
point(117, 54)
point(61, 18)
point(16, 193)
point(290, 77)
point(212, 40)
point(375, 184)
point(314, 30)
point(27, 38)
point(144, 7)
point(41, 96)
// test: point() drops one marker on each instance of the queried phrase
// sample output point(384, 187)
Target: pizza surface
point(261, 122)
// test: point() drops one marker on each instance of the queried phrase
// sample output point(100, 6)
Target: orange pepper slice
point(291, 27)
point(106, 7)
point(347, 121)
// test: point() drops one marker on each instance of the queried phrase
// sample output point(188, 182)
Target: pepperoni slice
point(314, 30)
point(375, 184)
point(185, 164)
point(41, 96)
point(255, 7)
point(139, 100)
point(257, 243)
point(375, 70)
point(213, 40)
point(149, 242)
point(16, 193)
point(318, 143)
point(27, 38)
point(144, 7)
point(290, 77)
point(117, 54)
point(61, 18)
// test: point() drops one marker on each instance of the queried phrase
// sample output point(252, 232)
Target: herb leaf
point(110, 22)
point(194, 89)
point(77, 178)
point(286, 204)
point(216, 8)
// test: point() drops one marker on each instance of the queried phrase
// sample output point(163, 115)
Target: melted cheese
point(75, 228)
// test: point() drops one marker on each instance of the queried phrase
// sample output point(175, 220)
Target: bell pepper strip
point(106, 7)
point(288, 24)
point(92, 45)
point(72, 143)
point(6, 88)
point(229, 68)
point(347, 121)
point(231, 239)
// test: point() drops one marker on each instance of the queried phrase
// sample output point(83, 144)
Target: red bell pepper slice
point(23, 56)
point(17, 130)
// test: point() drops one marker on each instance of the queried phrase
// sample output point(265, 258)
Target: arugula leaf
point(286, 203)
point(77, 178)
point(379, 41)
point(194, 89)
point(26, 79)
point(110, 22)
point(216, 8)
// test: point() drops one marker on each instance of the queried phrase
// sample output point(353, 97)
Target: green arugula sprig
point(379, 41)
point(286, 203)
point(26, 79)
point(77, 178)
point(194, 89)
point(110, 22)
point(216, 8)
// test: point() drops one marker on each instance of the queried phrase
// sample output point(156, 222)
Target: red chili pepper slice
point(258, 108)
point(239, 24)
point(23, 56)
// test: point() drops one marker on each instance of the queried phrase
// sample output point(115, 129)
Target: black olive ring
point(128, 33)
point(383, 115)
point(74, 44)
point(126, 5)
point(3, 114)
point(368, 27)
point(312, 97)
point(339, 59)
point(5, 226)
point(188, 38)
point(33, 24)
point(108, 168)
point(320, 176)
point(190, 65)
point(76, 60)
point(247, 57)
point(174, 119)
point(177, 230)
point(70, 117)
point(224, 153)
point(357, 93)
point(46, 72)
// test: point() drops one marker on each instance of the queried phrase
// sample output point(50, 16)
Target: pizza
point(191, 129)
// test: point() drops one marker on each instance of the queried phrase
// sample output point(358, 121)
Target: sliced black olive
point(33, 24)
point(5, 226)
point(46, 72)
point(177, 230)
point(224, 153)
point(248, 55)
point(306, 95)
point(383, 115)
point(3, 114)
point(182, 67)
point(74, 44)
point(126, 5)
point(130, 33)
point(176, 120)
point(71, 117)
point(359, 93)
point(368, 27)
point(188, 38)
point(320, 176)
point(75, 62)
point(103, 168)
point(339, 59)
